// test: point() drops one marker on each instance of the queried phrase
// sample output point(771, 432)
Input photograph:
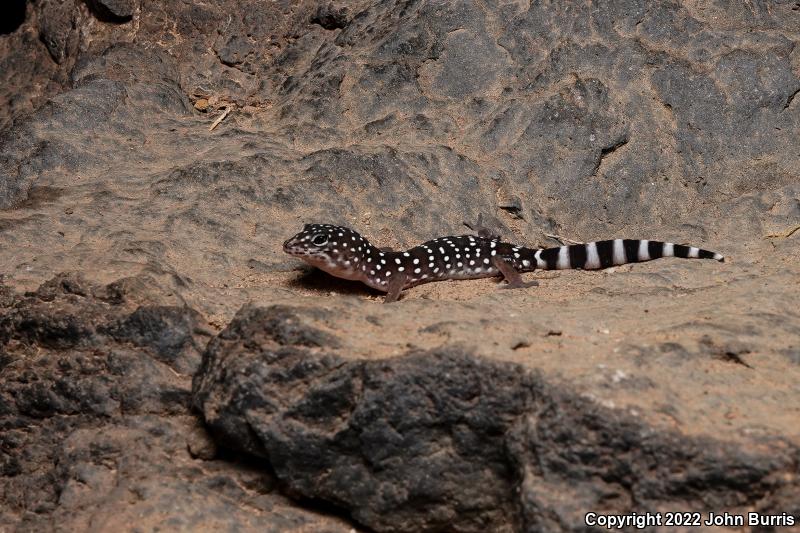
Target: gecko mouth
point(298, 250)
point(295, 251)
point(292, 248)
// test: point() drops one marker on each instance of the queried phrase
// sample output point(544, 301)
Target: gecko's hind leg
point(395, 287)
point(482, 230)
point(511, 275)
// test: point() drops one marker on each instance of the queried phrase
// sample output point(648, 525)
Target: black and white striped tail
point(604, 254)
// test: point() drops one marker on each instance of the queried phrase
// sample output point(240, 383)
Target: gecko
point(345, 253)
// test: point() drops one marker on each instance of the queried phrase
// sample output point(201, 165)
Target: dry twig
point(561, 239)
point(228, 108)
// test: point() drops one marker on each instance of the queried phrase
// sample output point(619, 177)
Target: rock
point(234, 49)
point(65, 316)
point(57, 29)
point(201, 445)
point(113, 10)
point(169, 331)
point(90, 417)
point(201, 104)
point(442, 439)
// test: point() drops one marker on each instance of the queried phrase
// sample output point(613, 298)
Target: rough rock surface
point(96, 433)
point(667, 385)
point(438, 440)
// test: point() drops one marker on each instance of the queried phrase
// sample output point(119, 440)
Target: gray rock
point(169, 331)
point(443, 439)
point(114, 10)
point(57, 29)
point(92, 415)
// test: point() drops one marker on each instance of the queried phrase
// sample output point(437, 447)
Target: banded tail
point(604, 254)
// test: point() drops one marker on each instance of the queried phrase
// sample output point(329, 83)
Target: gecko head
point(326, 246)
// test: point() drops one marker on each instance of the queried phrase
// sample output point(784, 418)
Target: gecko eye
point(319, 240)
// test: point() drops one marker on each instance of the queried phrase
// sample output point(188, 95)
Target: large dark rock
point(445, 440)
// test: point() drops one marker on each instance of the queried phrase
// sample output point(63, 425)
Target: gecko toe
point(524, 285)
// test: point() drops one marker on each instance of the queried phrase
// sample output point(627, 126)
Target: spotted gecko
point(344, 253)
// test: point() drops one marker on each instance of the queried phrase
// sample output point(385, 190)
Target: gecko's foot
point(395, 287)
point(482, 230)
point(520, 285)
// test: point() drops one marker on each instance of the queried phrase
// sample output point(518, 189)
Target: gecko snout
point(291, 246)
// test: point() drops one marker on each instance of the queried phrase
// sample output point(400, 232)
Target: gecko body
point(344, 253)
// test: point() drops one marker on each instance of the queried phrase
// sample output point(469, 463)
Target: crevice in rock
point(330, 18)
point(512, 206)
point(14, 17)
point(605, 152)
point(790, 99)
point(324, 507)
point(733, 357)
